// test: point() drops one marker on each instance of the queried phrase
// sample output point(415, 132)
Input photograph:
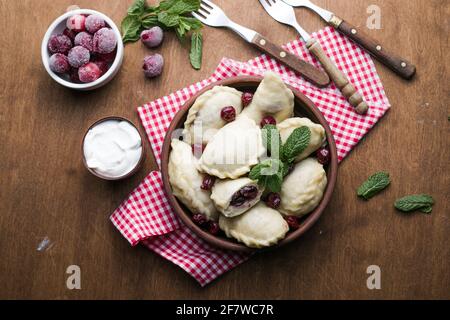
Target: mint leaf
point(269, 174)
point(196, 50)
point(131, 27)
point(184, 6)
point(149, 22)
point(274, 183)
point(374, 185)
point(297, 142)
point(168, 20)
point(422, 202)
point(137, 8)
point(271, 139)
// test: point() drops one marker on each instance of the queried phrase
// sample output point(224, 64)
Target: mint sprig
point(297, 142)
point(269, 173)
point(170, 15)
point(376, 183)
point(421, 202)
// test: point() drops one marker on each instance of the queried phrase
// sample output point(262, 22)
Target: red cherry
point(292, 222)
point(268, 120)
point(208, 182)
point(213, 228)
point(323, 156)
point(199, 219)
point(228, 114)
point(247, 98)
point(273, 200)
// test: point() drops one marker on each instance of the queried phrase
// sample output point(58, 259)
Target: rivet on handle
point(403, 64)
point(262, 42)
point(354, 31)
point(283, 54)
point(379, 48)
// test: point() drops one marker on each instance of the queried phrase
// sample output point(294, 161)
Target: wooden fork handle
point(396, 63)
point(338, 77)
point(307, 70)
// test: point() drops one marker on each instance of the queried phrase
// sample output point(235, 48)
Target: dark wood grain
point(398, 64)
point(45, 191)
point(305, 69)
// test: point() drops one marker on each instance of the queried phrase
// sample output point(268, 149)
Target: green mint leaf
point(149, 22)
point(166, 5)
point(422, 202)
point(269, 173)
point(137, 8)
point(168, 20)
point(196, 50)
point(184, 6)
point(271, 139)
point(131, 27)
point(297, 142)
point(274, 183)
point(374, 185)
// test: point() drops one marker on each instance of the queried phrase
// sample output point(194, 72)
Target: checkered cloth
point(146, 216)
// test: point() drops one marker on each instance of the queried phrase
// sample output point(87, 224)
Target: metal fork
point(211, 15)
point(285, 14)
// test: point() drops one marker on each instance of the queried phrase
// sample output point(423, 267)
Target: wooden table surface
point(46, 192)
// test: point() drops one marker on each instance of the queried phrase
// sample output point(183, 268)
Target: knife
point(211, 15)
point(396, 63)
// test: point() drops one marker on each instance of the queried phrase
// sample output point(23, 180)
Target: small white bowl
point(57, 27)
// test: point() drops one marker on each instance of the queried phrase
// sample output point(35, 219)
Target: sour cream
point(112, 148)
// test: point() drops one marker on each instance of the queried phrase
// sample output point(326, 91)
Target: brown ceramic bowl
point(129, 174)
point(303, 108)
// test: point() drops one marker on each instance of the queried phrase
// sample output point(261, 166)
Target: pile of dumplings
point(235, 202)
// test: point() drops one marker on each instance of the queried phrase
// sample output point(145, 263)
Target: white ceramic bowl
point(57, 27)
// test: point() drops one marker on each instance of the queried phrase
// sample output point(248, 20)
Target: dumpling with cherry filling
point(272, 98)
point(259, 227)
point(234, 197)
point(317, 134)
point(186, 181)
point(204, 117)
point(302, 190)
point(233, 150)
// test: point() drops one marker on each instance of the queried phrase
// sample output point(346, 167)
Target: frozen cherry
point(84, 39)
point(153, 65)
point(105, 41)
point(59, 63)
point(108, 57)
point(268, 120)
point(78, 56)
point(247, 98)
point(59, 43)
point(273, 200)
point(323, 156)
point(208, 182)
point(69, 33)
point(213, 228)
point(103, 65)
point(94, 23)
point(152, 37)
point(89, 72)
point(77, 23)
point(228, 114)
point(199, 219)
point(292, 222)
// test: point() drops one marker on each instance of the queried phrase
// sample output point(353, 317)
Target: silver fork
point(211, 15)
point(285, 14)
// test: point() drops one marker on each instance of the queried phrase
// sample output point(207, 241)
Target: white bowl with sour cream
point(113, 149)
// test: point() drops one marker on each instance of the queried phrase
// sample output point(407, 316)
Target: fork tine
point(198, 16)
point(205, 9)
point(209, 3)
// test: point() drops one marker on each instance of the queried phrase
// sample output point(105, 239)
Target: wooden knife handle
point(307, 70)
point(338, 77)
point(399, 65)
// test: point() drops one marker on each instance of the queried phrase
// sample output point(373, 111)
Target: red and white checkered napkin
point(146, 216)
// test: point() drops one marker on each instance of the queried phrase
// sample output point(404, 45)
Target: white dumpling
point(302, 190)
point(233, 150)
point(259, 227)
point(205, 113)
point(186, 181)
point(272, 98)
point(234, 197)
point(317, 134)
